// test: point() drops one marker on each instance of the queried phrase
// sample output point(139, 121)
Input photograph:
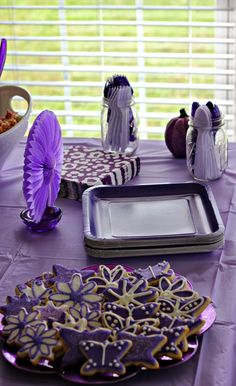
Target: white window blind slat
point(171, 86)
point(122, 54)
point(172, 54)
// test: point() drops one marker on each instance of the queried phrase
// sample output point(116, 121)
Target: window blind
point(173, 52)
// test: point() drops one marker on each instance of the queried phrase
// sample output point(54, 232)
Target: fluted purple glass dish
point(50, 219)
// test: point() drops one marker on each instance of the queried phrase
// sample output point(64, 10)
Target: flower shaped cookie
point(16, 324)
point(76, 292)
point(38, 343)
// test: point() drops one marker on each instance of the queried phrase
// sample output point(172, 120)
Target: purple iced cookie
point(14, 304)
point(15, 324)
point(194, 324)
point(36, 290)
point(129, 294)
point(174, 337)
point(72, 338)
point(185, 309)
point(63, 274)
point(37, 343)
point(50, 313)
point(153, 273)
point(85, 317)
point(76, 292)
point(104, 357)
point(178, 289)
point(122, 311)
point(143, 349)
point(108, 277)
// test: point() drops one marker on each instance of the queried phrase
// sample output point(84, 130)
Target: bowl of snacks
point(13, 125)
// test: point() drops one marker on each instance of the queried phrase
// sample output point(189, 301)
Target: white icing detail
point(104, 353)
point(152, 272)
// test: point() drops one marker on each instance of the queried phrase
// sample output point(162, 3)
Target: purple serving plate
point(71, 374)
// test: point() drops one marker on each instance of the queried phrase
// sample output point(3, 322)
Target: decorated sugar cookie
point(75, 292)
point(37, 343)
point(50, 313)
point(178, 289)
point(194, 324)
point(15, 324)
point(15, 303)
point(174, 337)
point(85, 318)
point(63, 274)
point(143, 350)
point(107, 278)
point(37, 290)
point(128, 294)
point(153, 273)
point(104, 357)
point(72, 338)
point(183, 309)
point(115, 322)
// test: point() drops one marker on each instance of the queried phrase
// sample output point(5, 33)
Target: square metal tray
point(151, 215)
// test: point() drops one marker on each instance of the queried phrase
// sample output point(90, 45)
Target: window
point(173, 52)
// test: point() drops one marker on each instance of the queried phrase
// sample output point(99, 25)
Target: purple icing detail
point(72, 338)
point(15, 304)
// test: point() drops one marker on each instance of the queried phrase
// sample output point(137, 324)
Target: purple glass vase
point(50, 219)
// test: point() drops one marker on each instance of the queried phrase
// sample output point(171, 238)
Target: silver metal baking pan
point(150, 215)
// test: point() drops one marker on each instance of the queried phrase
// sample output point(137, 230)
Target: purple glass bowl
point(50, 219)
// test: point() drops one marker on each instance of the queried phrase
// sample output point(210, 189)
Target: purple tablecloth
point(24, 255)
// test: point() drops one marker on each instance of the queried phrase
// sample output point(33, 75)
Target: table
point(24, 255)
